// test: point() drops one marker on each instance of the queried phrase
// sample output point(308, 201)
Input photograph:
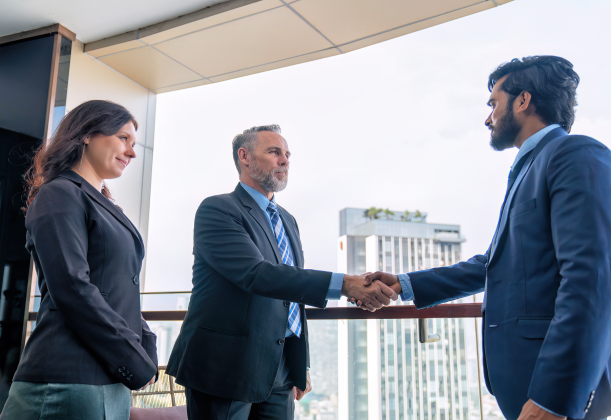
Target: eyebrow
point(269, 149)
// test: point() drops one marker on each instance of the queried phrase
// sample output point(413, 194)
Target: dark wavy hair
point(550, 80)
point(65, 149)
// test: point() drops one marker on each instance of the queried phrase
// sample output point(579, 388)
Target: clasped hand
point(371, 291)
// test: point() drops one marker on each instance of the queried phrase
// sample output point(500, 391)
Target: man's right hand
point(391, 280)
point(372, 296)
point(388, 279)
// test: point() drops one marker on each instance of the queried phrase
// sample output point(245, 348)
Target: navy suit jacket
point(233, 336)
point(547, 314)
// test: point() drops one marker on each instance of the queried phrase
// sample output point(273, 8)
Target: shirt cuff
point(407, 293)
point(335, 286)
point(549, 411)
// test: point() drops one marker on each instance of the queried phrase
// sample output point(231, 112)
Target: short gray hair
point(248, 141)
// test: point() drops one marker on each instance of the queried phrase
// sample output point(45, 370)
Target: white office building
point(385, 373)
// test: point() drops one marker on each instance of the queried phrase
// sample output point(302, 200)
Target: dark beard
point(503, 136)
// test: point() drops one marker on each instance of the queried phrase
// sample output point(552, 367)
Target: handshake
point(371, 291)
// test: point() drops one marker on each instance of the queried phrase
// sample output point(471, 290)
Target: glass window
point(388, 252)
point(405, 255)
point(397, 255)
point(419, 244)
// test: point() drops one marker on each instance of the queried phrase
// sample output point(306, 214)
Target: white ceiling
point(234, 39)
point(92, 20)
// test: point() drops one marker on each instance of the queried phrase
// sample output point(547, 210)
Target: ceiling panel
point(344, 21)
point(415, 27)
point(285, 63)
point(182, 86)
point(93, 20)
point(218, 19)
point(112, 49)
point(260, 39)
point(149, 68)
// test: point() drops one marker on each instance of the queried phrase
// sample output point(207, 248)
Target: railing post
point(423, 333)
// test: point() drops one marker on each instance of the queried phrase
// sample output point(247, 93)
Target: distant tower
point(391, 376)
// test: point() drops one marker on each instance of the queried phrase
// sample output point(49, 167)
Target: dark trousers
point(280, 405)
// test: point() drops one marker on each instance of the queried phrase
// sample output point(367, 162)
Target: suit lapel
point(291, 231)
point(96, 196)
point(507, 206)
point(257, 214)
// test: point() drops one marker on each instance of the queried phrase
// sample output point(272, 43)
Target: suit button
point(121, 369)
point(287, 303)
point(136, 279)
point(124, 374)
point(129, 378)
point(281, 341)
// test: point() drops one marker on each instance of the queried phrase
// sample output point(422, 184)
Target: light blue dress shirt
point(337, 279)
point(407, 293)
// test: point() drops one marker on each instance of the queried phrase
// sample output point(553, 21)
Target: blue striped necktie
point(287, 258)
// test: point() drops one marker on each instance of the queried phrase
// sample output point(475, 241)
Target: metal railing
point(448, 310)
point(166, 393)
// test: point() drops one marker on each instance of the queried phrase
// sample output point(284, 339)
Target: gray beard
point(267, 179)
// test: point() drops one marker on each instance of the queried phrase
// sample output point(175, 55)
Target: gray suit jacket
point(232, 338)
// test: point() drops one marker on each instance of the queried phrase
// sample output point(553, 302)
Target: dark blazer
point(232, 338)
point(547, 315)
point(88, 255)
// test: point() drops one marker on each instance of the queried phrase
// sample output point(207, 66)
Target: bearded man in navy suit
point(547, 274)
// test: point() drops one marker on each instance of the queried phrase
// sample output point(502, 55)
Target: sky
point(397, 125)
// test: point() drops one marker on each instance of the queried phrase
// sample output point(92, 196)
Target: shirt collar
point(532, 142)
point(259, 198)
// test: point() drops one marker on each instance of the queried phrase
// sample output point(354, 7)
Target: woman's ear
point(86, 140)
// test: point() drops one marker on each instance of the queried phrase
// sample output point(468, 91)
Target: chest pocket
point(522, 207)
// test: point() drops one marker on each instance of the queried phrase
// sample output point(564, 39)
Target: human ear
point(243, 155)
point(525, 98)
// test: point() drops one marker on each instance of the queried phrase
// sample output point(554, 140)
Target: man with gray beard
point(242, 352)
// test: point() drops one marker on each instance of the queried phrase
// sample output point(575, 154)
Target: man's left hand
point(299, 394)
point(532, 411)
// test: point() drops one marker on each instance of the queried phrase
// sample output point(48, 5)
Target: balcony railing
point(399, 362)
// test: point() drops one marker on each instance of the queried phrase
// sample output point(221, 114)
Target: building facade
point(391, 376)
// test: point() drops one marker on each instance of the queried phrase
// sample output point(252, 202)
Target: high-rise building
point(390, 375)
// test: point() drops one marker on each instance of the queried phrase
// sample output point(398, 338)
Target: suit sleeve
point(221, 239)
point(442, 284)
point(577, 346)
point(59, 231)
point(149, 342)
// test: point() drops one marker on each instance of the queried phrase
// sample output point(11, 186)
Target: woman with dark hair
point(90, 345)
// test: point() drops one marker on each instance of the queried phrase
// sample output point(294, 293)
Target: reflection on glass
point(61, 88)
point(167, 333)
point(160, 301)
point(322, 402)
point(378, 369)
